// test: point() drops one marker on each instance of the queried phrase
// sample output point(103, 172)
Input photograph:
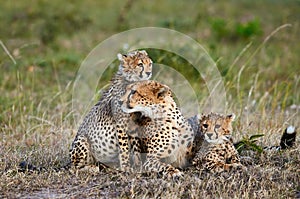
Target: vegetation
point(249, 144)
point(44, 42)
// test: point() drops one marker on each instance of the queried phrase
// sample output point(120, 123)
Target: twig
point(7, 52)
point(267, 39)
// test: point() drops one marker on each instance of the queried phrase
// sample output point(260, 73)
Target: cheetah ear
point(131, 87)
point(230, 117)
point(162, 92)
point(143, 52)
point(199, 116)
point(121, 57)
point(202, 116)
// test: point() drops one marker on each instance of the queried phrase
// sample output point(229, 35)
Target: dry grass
point(37, 123)
point(270, 176)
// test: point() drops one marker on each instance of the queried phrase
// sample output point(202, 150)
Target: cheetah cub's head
point(135, 66)
point(216, 128)
point(148, 97)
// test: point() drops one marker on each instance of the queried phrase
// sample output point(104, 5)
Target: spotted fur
point(102, 135)
point(217, 153)
point(204, 141)
point(166, 137)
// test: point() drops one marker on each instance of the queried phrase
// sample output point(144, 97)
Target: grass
point(49, 40)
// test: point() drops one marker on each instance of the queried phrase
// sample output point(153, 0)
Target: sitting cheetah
point(102, 135)
point(165, 136)
point(217, 152)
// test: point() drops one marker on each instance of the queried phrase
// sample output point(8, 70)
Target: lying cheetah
point(165, 137)
point(102, 135)
point(217, 152)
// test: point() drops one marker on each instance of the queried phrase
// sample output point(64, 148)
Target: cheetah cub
point(217, 153)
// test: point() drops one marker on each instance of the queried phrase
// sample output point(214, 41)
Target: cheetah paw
point(239, 166)
point(175, 175)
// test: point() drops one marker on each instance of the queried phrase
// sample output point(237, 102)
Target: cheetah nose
point(120, 103)
point(148, 73)
point(209, 135)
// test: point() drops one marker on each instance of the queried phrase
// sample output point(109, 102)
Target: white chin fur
point(146, 111)
point(148, 77)
point(290, 130)
point(216, 141)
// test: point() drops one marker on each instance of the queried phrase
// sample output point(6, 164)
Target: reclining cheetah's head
point(135, 66)
point(151, 98)
point(216, 128)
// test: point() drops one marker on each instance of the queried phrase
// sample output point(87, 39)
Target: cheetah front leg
point(136, 150)
point(214, 164)
point(233, 161)
point(80, 154)
point(153, 164)
point(217, 164)
point(121, 119)
point(124, 148)
point(155, 154)
point(126, 144)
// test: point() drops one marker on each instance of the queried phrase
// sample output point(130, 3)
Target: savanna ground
point(254, 43)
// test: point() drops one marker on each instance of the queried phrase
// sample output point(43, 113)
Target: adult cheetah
point(165, 137)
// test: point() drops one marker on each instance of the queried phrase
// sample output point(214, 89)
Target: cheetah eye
point(217, 126)
point(132, 92)
point(140, 64)
point(205, 126)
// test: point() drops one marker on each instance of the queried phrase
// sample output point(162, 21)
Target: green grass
point(48, 41)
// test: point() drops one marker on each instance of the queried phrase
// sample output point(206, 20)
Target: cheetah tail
point(27, 167)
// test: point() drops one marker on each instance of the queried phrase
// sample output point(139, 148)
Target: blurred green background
point(49, 40)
